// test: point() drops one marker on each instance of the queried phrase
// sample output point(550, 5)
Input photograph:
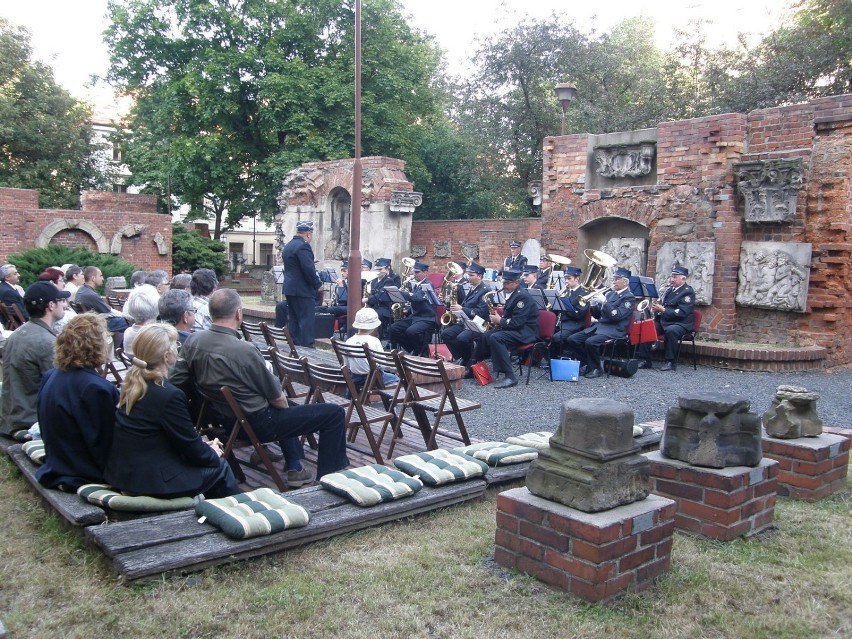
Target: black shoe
point(507, 383)
point(593, 374)
point(645, 363)
point(584, 369)
point(468, 374)
point(668, 366)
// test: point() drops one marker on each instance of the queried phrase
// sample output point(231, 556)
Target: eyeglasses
point(190, 310)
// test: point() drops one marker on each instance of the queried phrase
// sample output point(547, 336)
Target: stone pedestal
point(719, 503)
point(595, 556)
point(809, 468)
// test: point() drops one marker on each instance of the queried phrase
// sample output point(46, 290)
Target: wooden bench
point(176, 541)
point(73, 510)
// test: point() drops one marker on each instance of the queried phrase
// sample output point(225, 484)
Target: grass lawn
point(431, 576)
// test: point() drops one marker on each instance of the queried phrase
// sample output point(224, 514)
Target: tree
point(45, 135)
point(233, 94)
point(32, 262)
point(191, 250)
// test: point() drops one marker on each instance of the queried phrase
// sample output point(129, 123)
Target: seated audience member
point(28, 355)
point(366, 322)
point(142, 306)
point(88, 297)
point(220, 357)
point(159, 280)
point(55, 276)
point(76, 407)
point(73, 279)
point(204, 282)
point(9, 293)
point(156, 450)
point(137, 278)
point(175, 306)
point(181, 281)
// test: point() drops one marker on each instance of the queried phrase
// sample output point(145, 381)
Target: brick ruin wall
point(103, 216)
point(694, 199)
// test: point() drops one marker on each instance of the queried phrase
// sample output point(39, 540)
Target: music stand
point(538, 295)
point(642, 286)
point(557, 303)
point(395, 296)
point(328, 276)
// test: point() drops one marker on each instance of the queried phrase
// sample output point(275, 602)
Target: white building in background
point(251, 243)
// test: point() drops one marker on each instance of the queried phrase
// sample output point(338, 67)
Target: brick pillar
point(809, 468)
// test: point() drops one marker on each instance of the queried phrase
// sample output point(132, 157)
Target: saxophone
point(489, 302)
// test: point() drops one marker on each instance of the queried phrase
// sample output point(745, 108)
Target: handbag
point(481, 373)
point(621, 367)
point(644, 331)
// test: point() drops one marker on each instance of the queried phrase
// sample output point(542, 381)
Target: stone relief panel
point(698, 257)
point(770, 189)
point(774, 275)
point(629, 253)
point(405, 201)
point(470, 252)
point(534, 190)
point(417, 251)
point(442, 248)
point(624, 161)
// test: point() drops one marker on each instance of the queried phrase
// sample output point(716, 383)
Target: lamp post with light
point(565, 92)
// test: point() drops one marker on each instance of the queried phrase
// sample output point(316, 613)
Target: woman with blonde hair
point(156, 450)
point(76, 407)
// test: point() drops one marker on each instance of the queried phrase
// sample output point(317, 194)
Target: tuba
point(407, 267)
point(556, 260)
point(599, 262)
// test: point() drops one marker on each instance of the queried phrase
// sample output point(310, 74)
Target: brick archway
point(43, 240)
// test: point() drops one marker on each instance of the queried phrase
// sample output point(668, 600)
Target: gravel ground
point(649, 393)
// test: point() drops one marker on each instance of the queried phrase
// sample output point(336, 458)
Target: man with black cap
point(28, 355)
point(518, 325)
point(674, 316)
point(301, 284)
point(515, 261)
point(377, 298)
point(413, 333)
point(457, 337)
point(572, 319)
point(613, 309)
point(545, 268)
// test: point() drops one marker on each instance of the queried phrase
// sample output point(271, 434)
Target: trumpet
point(585, 300)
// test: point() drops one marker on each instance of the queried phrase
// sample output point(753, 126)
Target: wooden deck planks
point(154, 545)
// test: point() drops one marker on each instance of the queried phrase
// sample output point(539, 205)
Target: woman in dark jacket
point(156, 450)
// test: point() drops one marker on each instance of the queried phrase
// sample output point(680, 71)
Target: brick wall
point(24, 222)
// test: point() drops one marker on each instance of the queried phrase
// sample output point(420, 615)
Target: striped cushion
point(539, 440)
point(103, 495)
point(499, 453)
point(259, 512)
point(437, 467)
point(371, 485)
point(34, 450)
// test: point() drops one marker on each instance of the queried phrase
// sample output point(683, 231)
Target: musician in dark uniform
point(545, 268)
point(674, 318)
point(515, 261)
point(377, 299)
point(530, 279)
point(573, 319)
point(301, 284)
point(413, 333)
point(519, 325)
point(458, 338)
point(340, 298)
point(613, 310)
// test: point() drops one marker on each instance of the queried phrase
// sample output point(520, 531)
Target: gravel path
point(649, 393)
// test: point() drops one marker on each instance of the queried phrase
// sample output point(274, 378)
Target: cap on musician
point(420, 266)
point(511, 275)
point(382, 262)
point(366, 264)
point(304, 226)
point(572, 271)
point(475, 269)
point(680, 270)
point(514, 244)
point(344, 265)
point(622, 272)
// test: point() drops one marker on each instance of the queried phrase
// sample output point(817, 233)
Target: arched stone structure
point(43, 239)
point(128, 230)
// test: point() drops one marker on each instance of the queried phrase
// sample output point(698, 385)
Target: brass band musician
point(413, 333)
point(457, 337)
point(545, 269)
point(674, 316)
point(572, 317)
point(530, 278)
point(515, 261)
point(377, 299)
point(340, 294)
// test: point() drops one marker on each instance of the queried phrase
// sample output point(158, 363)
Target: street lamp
point(565, 92)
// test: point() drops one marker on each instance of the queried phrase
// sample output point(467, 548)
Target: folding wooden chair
point(279, 338)
point(242, 426)
point(295, 380)
point(115, 302)
point(352, 351)
point(327, 383)
point(416, 369)
point(12, 316)
point(540, 347)
point(253, 333)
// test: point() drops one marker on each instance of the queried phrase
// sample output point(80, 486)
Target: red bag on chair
point(481, 373)
point(643, 331)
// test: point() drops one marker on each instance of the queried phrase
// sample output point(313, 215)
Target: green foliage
point(233, 94)
point(191, 250)
point(45, 135)
point(33, 261)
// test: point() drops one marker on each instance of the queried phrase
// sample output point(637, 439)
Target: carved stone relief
point(43, 240)
point(774, 275)
point(624, 160)
point(162, 245)
point(629, 253)
point(470, 252)
point(417, 251)
point(698, 257)
point(442, 248)
point(128, 230)
point(534, 191)
point(268, 287)
point(770, 188)
point(405, 201)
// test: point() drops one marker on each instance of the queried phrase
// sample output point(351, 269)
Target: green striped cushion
point(539, 440)
point(499, 453)
point(103, 495)
point(437, 467)
point(34, 450)
point(371, 485)
point(259, 512)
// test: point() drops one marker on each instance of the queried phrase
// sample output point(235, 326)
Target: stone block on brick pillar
point(810, 468)
point(714, 430)
point(593, 463)
point(792, 414)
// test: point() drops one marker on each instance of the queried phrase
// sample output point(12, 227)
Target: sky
point(67, 33)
